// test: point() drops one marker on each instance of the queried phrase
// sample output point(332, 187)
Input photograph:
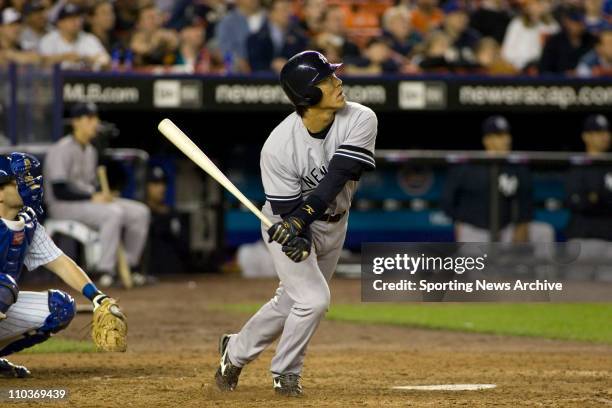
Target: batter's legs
point(297, 308)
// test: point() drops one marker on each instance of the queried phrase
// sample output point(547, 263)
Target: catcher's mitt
point(109, 328)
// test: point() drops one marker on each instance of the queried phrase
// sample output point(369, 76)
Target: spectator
point(491, 19)
point(233, 32)
point(312, 20)
point(70, 46)
point(206, 13)
point(101, 21)
point(466, 196)
point(598, 62)
point(437, 54)
point(396, 28)
point(426, 16)
point(10, 50)
point(589, 192)
point(334, 35)
point(152, 44)
point(277, 40)
point(564, 49)
point(193, 56)
point(35, 27)
point(169, 234)
point(71, 193)
point(594, 16)
point(126, 15)
point(525, 35)
point(462, 37)
point(377, 59)
point(489, 60)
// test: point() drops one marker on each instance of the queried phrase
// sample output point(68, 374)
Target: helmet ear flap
point(313, 95)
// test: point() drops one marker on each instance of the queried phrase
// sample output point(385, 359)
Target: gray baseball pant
point(300, 302)
point(110, 219)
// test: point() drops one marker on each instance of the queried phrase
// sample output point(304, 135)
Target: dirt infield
point(172, 358)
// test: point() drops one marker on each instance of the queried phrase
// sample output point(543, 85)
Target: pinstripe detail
point(42, 250)
point(20, 319)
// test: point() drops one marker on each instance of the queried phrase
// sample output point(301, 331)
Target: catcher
point(29, 318)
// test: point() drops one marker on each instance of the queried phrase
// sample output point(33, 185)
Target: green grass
point(583, 322)
point(59, 345)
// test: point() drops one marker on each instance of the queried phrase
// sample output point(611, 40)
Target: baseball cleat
point(10, 370)
point(288, 385)
point(227, 374)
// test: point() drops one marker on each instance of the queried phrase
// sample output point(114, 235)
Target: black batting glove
point(286, 230)
point(298, 249)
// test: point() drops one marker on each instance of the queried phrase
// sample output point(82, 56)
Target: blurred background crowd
point(487, 37)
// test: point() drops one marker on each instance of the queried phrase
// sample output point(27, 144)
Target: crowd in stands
point(487, 37)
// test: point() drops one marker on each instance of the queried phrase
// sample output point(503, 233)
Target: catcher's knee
point(61, 312)
point(62, 309)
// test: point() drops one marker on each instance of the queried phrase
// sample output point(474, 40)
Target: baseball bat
point(123, 267)
point(191, 150)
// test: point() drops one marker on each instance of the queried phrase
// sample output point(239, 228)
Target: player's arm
point(44, 252)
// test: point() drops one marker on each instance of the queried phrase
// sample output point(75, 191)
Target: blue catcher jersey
point(15, 240)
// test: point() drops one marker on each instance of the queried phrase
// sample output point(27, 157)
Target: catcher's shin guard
point(61, 312)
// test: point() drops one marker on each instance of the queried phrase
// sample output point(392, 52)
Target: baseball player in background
point(310, 167)
point(589, 191)
point(29, 318)
point(71, 193)
point(467, 190)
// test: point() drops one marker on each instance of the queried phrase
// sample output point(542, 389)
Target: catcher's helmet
point(301, 73)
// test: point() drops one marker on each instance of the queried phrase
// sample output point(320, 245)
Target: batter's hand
point(298, 249)
point(285, 230)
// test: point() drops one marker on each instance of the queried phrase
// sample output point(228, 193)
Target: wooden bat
point(191, 150)
point(123, 267)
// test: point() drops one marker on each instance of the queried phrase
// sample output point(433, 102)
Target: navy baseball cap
point(84, 109)
point(452, 7)
point(495, 124)
point(156, 174)
point(596, 123)
point(69, 10)
point(33, 6)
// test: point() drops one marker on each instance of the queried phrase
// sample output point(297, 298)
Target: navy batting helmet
point(301, 73)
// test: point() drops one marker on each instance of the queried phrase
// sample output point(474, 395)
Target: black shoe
point(288, 385)
point(10, 370)
point(227, 373)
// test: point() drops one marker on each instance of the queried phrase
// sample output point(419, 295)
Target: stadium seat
point(88, 237)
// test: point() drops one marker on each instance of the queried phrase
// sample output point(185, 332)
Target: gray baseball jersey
point(70, 162)
point(293, 162)
point(292, 165)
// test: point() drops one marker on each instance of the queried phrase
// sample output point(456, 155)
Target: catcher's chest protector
point(14, 244)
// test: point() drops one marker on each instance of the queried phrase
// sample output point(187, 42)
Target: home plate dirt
point(172, 357)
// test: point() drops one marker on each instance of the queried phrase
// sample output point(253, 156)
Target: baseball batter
point(310, 166)
point(29, 318)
